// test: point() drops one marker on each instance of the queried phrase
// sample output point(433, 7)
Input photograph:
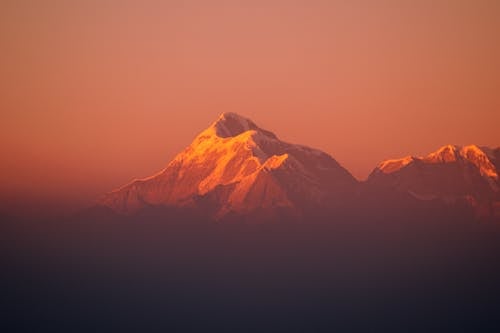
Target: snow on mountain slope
point(236, 167)
point(451, 173)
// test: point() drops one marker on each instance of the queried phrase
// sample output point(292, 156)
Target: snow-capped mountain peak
point(230, 124)
point(451, 173)
point(448, 153)
point(239, 167)
point(482, 158)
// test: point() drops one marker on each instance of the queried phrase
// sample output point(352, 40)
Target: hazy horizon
point(95, 95)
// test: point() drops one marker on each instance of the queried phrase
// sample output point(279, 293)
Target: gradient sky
point(95, 93)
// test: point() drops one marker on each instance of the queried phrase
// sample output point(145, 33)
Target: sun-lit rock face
point(450, 173)
point(236, 167)
point(390, 166)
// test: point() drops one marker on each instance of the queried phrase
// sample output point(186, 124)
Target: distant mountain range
point(452, 174)
point(236, 170)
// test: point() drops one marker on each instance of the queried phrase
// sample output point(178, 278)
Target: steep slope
point(235, 167)
point(451, 174)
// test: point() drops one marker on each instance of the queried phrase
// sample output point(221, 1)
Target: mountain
point(235, 168)
point(452, 174)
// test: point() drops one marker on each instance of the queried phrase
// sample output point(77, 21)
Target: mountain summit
point(450, 174)
point(236, 168)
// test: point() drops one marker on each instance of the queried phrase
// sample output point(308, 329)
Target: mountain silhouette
point(235, 168)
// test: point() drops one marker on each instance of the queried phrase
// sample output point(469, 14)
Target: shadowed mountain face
point(235, 168)
point(467, 175)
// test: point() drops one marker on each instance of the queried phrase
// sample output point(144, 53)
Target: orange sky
point(94, 93)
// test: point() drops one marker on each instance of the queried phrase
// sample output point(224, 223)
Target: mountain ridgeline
point(236, 171)
point(242, 232)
